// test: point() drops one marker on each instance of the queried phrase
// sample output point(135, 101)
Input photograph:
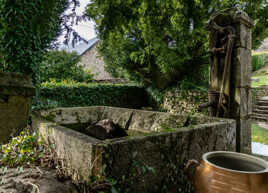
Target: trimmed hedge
point(71, 94)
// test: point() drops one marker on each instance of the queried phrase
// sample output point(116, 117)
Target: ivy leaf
point(114, 190)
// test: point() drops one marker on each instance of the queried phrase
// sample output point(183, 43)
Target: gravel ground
point(258, 148)
point(33, 180)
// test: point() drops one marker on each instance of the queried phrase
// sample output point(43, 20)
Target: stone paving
point(258, 148)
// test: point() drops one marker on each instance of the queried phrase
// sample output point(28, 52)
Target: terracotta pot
point(229, 172)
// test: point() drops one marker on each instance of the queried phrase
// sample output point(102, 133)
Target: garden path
point(258, 148)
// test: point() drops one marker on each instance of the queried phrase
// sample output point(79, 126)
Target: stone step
point(261, 111)
point(260, 107)
point(263, 98)
point(259, 116)
point(262, 102)
point(259, 119)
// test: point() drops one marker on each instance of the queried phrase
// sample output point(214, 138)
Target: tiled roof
point(80, 48)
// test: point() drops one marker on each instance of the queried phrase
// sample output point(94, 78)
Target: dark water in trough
point(80, 127)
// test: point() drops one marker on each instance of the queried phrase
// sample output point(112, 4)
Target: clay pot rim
point(241, 156)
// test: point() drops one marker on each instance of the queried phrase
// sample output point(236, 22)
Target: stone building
point(90, 58)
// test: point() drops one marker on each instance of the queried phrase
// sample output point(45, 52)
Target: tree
point(61, 65)
point(27, 28)
point(162, 42)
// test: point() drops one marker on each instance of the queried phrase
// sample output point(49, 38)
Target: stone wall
point(151, 162)
point(184, 102)
point(91, 60)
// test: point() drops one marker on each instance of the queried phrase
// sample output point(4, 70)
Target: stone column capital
point(231, 16)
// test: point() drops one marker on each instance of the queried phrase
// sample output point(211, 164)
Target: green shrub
point(259, 60)
point(25, 149)
point(163, 42)
point(185, 97)
point(61, 65)
point(27, 29)
point(185, 102)
point(71, 94)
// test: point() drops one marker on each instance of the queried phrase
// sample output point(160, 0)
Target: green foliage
point(61, 65)
point(71, 94)
point(25, 149)
point(185, 100)
point(181, 99)
point(27, 28)
point(162, 42)
point(259, 60)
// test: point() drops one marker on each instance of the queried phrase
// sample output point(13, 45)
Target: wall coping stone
point(15, 84)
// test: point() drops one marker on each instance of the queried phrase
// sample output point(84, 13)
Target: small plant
point(28, 149)
point(25, 149)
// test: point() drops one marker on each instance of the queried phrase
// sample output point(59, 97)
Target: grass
point(259, 134)
point(263, 80)
point(259, 53)
point(260, 67)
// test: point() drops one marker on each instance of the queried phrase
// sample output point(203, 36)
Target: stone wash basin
point(151, 159)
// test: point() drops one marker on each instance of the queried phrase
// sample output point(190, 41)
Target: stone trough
point(151, 159)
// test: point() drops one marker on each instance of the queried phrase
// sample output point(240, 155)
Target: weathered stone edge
point(17, 90)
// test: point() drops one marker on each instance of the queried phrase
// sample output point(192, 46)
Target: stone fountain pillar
point(15, 95)
point(230, 71)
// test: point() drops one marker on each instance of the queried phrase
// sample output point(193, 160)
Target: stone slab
point(16, 84)
point(13, 116)
point(241, 75)
point(244, 138)
point(243, 36)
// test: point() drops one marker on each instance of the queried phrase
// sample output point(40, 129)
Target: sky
point(84, 29)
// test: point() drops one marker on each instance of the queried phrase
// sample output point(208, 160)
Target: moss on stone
point(50, 117)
